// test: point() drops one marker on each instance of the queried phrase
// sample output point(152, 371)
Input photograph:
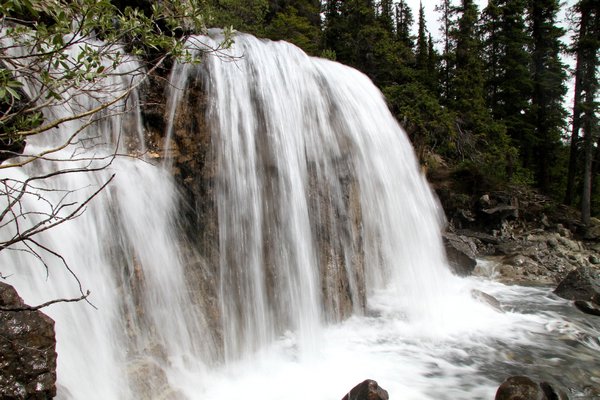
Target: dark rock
point(367, 390)
point(587, 307)
point(482, 236)
point(27, 350)
point(552, 393)
point(519, 388)
point(461, 253)
point(486, 299)
point(582, 283)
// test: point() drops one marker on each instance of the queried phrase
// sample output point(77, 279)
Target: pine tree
point(447, 24)
point(548, 71)
point(432, 69)
point(587, 48)
point(386, 15)
point(296, 21)
point(514, 85)
point(491, 44)
point(422, 50)
point(466, 87)
point(404, 22)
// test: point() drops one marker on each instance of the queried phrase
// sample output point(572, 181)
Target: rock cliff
point(27, 350)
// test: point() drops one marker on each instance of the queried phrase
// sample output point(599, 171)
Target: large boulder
point(367, 390)
point(582, 283)
point(461, 252)
point(27, 350)
point(523, 388)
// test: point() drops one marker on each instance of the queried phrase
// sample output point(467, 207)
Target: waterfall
point(320, 201)
point(123, 247)
point(316, 206)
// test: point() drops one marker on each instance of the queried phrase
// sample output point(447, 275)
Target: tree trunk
point(570, 190)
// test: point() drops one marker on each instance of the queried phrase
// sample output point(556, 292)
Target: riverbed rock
point(488, 299)
point(27, 350)
point(461, 252)
point(587, 307)
point(519, 388)
point(367, 390)
point(582, 283)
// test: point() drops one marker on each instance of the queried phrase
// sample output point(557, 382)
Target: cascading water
point(315, 182)
point(325, 264)
point(123, 248)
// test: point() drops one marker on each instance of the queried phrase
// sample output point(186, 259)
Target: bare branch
point(46, 304)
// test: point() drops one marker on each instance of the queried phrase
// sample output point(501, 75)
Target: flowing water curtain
point(113, 233)
point(319, 199)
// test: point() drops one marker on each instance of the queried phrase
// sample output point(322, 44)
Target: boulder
point(485, 298)
point(27, 350)
point(587, 307)
point(552, 393)
point(582, 283)
point(520, 388)
point(461, 252)
point(367, 390)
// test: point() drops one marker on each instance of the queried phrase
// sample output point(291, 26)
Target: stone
point(367, 390)
point(569, 244)
point(587, 307)
point(582, 283)
point(486, 299)
point(594, 260)
point(519, 388)
point(461, 252)
point(27, 350)
point(552, 393)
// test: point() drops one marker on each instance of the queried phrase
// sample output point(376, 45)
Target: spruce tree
point(447, 24)
point(296, 21)
point(386, 15)
point(422, 49)
point(547, 114)
point(587, 48)
point(404, 22)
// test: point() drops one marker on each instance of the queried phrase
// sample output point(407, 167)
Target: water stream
point(329, 266)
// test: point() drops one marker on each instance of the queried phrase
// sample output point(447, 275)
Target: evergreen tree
point(587, 46)
point(547, 111)
point(447, 24)
point(479, 137)
point(404, 22)
point(432, 69)
point(295, 21)
point(510, 85)
point(491, 42)
point(466, 87)
point(333, 25)
point(386, 15)
point(422, 51)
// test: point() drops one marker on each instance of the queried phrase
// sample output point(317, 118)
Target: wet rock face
point(367, 390)
point(461, 252)
point(27, 350)
point(582, 283)
point(523, 388)
point(519, 388)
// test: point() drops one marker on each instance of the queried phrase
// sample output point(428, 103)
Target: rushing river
point(538, 334)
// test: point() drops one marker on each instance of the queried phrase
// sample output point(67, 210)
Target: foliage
point(67, 47)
